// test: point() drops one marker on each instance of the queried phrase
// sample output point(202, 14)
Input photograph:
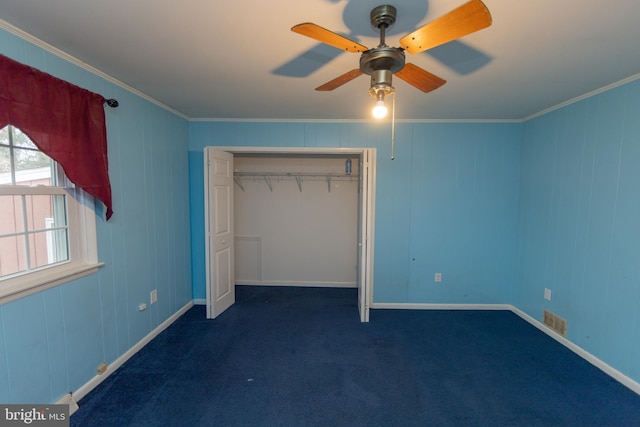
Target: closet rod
point(291, 175)
point(298, 176)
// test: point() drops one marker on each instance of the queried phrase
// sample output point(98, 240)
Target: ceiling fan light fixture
point(379, 110)
point(379, 91)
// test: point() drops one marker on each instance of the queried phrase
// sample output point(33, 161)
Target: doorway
point(269, 171)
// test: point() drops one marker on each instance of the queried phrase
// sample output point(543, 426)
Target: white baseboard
point(68, 399)
point(95, 381)
point(419, 306)
point(598, 363)
point(200, 301)
point(298, 284)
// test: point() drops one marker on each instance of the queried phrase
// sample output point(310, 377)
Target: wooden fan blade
point(468, 18)
point(419, 78)
point(323, 35)
point(340, 80)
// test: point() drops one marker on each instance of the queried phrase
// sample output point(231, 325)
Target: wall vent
point(555, 322)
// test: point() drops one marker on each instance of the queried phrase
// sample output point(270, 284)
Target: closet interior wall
point(296, 219)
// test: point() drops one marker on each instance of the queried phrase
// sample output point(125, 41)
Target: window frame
point(83, 253)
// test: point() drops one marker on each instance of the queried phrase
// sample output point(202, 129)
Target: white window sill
point(45, 279)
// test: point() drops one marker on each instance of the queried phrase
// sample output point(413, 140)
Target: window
point(47, 231)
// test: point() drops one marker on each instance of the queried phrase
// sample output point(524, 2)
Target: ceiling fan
point(382, 61)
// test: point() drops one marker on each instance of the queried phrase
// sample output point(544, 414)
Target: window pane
point(5, 166)
point(4, 135)
point(5, 157)
point(48, 247)
point(12, 255)
point(11, 217)
point(59, 205)
point(20, 139)
point(32, 167)
point(57, 245)
point(45, 211)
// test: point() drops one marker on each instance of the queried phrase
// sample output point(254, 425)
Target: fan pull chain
point(393, 126)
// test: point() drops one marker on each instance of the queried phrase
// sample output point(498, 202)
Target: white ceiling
point(239, 60)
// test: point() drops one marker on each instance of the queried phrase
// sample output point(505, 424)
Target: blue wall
point(579, 223)
point(449, 200)
point(52, 342)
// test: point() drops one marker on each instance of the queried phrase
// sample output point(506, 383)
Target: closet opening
point(288, 217)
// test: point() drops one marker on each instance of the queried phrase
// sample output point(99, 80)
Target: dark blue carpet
point(301, 357)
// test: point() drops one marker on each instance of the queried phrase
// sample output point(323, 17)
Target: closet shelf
point(299, 177)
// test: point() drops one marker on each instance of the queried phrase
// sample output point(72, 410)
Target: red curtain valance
point(66, 122)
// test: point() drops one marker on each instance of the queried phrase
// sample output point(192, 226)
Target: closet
point(288, 217)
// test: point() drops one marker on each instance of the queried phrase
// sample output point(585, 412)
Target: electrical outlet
point(438, 277)
point(547, 294)
point(154, 296)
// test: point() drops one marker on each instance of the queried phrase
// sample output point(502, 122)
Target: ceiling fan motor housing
point(382, 58)
point(380, 63)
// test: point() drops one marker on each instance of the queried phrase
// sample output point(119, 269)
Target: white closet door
point(220, 234)
point(365, 243)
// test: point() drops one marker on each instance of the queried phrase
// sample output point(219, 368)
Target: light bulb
point(380, 110)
